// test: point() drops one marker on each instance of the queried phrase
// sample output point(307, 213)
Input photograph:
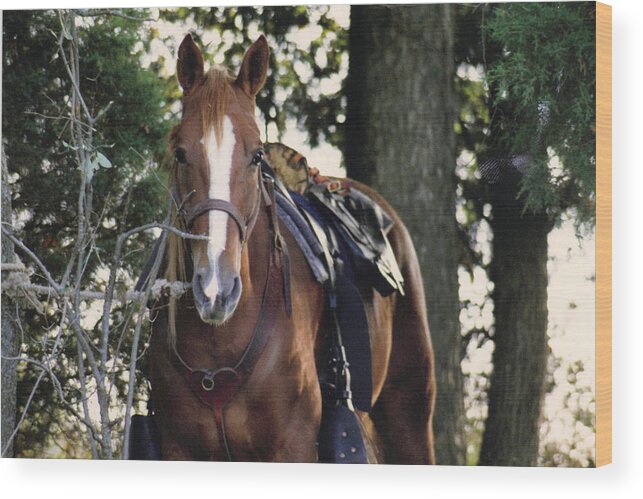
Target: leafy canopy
point(545, 82)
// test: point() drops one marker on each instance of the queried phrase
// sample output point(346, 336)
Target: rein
point(216, 386)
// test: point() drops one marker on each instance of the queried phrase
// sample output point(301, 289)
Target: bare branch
point(160, 287)
point(164, 226)
point(83, 387)
point(34, 258)
point(112, 12)
point(135, 340)
point(73, 77)
point(13, 267)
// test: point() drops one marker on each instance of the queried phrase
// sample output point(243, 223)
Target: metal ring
point(207, 383)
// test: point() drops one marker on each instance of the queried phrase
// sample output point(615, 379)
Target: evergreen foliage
point(544, 85)
point(44, 175)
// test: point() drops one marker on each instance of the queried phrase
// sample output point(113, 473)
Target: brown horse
point(267, 405)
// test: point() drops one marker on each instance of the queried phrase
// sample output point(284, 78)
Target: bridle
point(215, 387)
point(189, 213)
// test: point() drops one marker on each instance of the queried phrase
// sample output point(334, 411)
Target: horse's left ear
point(254, 68)
point(189, 65)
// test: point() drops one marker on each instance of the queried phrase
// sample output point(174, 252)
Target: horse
point(240, 330)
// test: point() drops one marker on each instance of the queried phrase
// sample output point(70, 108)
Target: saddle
point(358, 223)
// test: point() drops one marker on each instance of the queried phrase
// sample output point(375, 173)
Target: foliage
point(308, 55)
point(45, 171)
point(547, 78)
point(513, 62)
point(571, 384)
point(45, 174)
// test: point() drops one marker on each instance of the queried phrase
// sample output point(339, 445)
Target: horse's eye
point(258, 158)
point(180, 156)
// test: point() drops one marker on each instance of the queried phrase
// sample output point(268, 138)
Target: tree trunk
point(9, 338)
point(399, 139)
point(519, 273)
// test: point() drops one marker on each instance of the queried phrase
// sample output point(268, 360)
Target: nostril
point(197, 288)
point(236, 289)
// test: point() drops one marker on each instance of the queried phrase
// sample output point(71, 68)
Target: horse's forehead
point(240, 113)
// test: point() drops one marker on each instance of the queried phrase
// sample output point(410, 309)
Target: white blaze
point(219, 156)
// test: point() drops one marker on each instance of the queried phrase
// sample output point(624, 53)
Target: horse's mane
point(212, 93)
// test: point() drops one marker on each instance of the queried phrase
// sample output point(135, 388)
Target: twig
point(32, 255)
point(160, 287)
point(115, 13)
point(165, 226)
point(72, 77)
point(135, 340)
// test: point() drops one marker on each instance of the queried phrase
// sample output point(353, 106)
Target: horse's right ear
point(254, 67)
point(189, 65)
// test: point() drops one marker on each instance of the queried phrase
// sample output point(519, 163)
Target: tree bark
point(519, 273)
point(10, 343)
point(399, 139)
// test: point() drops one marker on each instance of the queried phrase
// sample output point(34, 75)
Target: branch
point(33, 256)
point(160, 287)
point(83, 387)
point(111, 12)
point(134, 350)
point(164, 226)
point(72, 77)
point(13, 267)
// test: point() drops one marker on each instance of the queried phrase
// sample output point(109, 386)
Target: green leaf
point(102, 160)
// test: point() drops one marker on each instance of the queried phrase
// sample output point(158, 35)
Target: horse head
point(217, 171)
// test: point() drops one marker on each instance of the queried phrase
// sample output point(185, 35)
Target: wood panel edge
point(603, 234)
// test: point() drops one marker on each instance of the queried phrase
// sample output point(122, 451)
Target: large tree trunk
point(399, 139)
point(519, 273)
point(9, 337)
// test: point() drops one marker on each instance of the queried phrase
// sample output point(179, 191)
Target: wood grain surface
point(603, 234)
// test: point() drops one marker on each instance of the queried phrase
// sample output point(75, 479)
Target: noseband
point(189, 213)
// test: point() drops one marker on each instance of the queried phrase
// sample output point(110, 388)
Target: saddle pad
point(306, 239)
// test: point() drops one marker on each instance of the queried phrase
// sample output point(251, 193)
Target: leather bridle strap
point(190, 213)
point(217, 205)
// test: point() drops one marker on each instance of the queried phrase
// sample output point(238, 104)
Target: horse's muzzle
point(219, 308)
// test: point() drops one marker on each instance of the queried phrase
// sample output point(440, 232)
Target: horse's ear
point(189, 65)
point(254, 68)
